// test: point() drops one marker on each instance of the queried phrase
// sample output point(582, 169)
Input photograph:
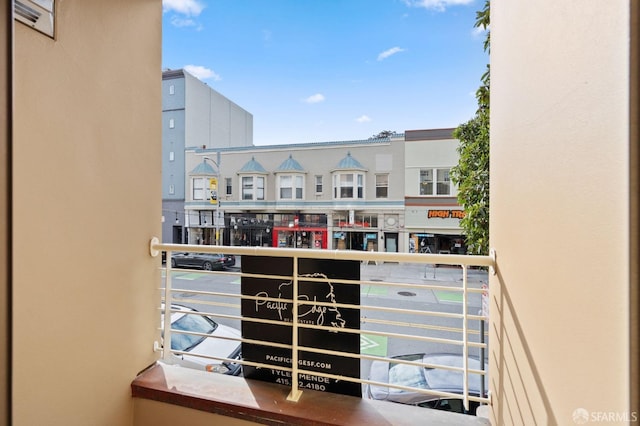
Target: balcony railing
point(440, 316)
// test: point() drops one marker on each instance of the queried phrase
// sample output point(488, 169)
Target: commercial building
point(327, 195)
point(193, 114)
point(564, 298)
point(390, 194)
point(432, 211)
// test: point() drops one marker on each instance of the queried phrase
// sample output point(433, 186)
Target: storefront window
point(436, 243)
point(361, 220)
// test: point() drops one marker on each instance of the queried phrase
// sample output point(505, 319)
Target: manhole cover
point(406, 293)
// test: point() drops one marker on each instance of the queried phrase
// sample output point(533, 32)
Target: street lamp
point(214, 184)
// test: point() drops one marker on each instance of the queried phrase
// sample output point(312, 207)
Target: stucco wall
point(559, 210)
point(86, 201)
point(428, 154)
point(5, 141)
point(212, 119)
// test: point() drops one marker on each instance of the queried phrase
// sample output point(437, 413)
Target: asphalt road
point(420, 297)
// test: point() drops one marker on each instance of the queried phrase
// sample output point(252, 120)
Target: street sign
point(485, 300)
point(213, 190)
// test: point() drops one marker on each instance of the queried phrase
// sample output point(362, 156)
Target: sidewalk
point(416, 273)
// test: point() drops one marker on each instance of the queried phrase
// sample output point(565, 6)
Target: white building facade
point(390, 194)
point(432, 212)
point(332, 195)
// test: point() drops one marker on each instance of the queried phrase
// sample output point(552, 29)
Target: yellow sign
point(213, 190)
point(445, 214)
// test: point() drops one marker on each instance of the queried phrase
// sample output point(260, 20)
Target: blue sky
point(332, 70)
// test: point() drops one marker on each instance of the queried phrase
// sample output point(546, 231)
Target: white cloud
point(389, 52)
point(314, 99)
point(184, 7)
point(439, 5)
point(363, 119)
point(202, 73)
point(177, 21)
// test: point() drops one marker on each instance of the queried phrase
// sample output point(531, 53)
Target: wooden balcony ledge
point(253, 401)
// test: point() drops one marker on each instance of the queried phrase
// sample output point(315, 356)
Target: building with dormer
point(324, 195)
point(389, 194)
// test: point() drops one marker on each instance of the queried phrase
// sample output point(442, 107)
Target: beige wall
point(5, 140)
point(155, 413)
point(86, 201)
point(376, 158)
point(560, 130)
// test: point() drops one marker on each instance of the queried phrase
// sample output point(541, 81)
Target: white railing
point(425, 264)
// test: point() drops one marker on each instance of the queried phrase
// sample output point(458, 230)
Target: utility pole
point(214, 185)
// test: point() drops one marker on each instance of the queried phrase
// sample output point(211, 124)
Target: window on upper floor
point(198, 185)
point(443, 182)
point(228, 183)
point(319, 184)
point(435, 182)
point(348, 185)
point(172, 89)
point(426, 182)
point(171, 156)
point(172, 123)
point(252, 187)
point(382, 186)
point(291, 187)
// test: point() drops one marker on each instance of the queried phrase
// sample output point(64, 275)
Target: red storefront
point(300, 237)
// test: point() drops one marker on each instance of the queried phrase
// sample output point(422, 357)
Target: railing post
point(465, 340)
point(483, 391)
point(295, 393)
point(166, 346)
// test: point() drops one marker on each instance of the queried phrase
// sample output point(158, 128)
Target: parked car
point(206, 261)
point(187, 319)
point(229, 260)
point(436, 379)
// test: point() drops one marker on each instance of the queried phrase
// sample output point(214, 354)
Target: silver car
point(436, 379)
point(208, 342)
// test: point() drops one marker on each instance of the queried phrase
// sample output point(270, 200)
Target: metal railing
point(415, 273)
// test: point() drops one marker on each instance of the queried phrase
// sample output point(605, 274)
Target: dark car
point(206, 261)
point(229, 260)
point(437, 379)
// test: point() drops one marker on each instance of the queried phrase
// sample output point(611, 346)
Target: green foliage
point(472, 172)
point(383, 134)
point(472, 177)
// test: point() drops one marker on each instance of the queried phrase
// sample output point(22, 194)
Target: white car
point(190, 345)
point(436, 379)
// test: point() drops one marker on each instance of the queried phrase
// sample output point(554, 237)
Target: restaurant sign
point(445, 214)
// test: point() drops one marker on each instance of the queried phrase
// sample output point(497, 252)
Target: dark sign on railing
point(280, 309)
